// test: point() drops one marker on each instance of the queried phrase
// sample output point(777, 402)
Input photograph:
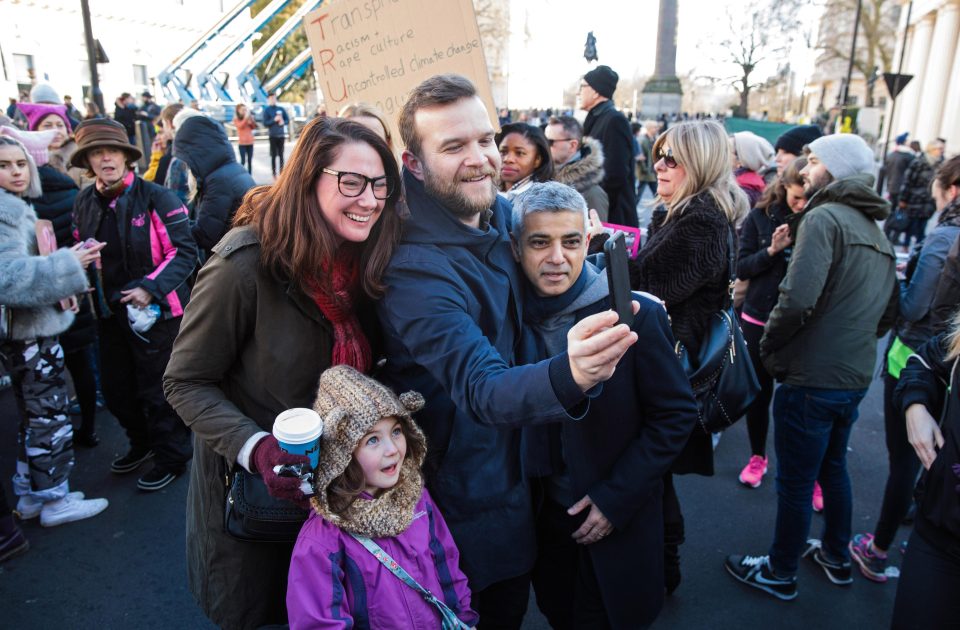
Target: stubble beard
point(449, 194)
point(813, 186)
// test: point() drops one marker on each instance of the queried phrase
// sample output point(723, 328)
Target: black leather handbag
point(252, 515)
point(722, 375)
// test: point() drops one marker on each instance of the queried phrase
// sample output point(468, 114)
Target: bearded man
point(452, 321)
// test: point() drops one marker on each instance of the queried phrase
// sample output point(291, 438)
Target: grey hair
point(34, 189)
point(547, 197)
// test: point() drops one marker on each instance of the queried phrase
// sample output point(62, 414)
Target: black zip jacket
point(924, 381)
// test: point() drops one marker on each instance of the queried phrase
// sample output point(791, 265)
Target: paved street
point(125, 568)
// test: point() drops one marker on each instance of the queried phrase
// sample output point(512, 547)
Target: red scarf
point(350, 345)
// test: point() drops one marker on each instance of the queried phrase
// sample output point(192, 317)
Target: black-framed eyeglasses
point(353, 184)
point(667, 157)
point(551, 141)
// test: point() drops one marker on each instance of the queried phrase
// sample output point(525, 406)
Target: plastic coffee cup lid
point(297, 426)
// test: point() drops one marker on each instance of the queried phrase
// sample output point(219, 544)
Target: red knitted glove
point(267, 454)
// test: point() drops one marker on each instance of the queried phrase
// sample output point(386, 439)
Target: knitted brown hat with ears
point(350, 405)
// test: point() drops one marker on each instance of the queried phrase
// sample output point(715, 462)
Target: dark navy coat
point(202, 143)
point(451, 320)
point(618, 454)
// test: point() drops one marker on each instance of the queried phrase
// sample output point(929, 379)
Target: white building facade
point(929, 106)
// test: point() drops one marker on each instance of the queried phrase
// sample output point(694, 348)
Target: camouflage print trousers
point(45, 439)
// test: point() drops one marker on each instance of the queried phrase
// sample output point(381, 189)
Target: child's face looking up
point(380, 455)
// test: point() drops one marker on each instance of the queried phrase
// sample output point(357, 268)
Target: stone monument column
point(662, 93)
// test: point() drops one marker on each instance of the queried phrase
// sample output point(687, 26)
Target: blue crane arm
point(290, 72)
point(168, 75)
point(250, 85)
point(206, 80)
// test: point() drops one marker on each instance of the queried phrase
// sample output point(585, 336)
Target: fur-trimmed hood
point(585, 172)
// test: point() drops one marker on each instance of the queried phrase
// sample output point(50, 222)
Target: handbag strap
point(731, 269)
point(450, 621)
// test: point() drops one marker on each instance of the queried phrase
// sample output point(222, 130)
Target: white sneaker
point(67, 510)
point(28, 507)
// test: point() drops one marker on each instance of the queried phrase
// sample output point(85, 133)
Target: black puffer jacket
point(754, 263)
point(56, 205)
point(221, 182)
point(930, 378)
point(56, 202)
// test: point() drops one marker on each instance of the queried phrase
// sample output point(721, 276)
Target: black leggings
point(758, 415)
point(904, 466)
point(276, 151)
point(81, 367)
point(246, 156)
point(927, 592)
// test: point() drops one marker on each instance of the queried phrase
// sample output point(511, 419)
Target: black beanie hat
point(602, 79)
point(793, 140)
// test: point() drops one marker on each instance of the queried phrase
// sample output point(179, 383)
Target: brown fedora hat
point(101, 132)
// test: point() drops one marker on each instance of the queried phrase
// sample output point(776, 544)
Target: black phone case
point(618, 277)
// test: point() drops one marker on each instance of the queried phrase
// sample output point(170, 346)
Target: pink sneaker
point(817, 497)
point(752, 474)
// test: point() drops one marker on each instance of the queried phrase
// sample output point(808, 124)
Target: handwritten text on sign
point(376, 51)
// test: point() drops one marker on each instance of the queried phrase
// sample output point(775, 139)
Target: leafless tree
point(875, 42)
point(758, 31)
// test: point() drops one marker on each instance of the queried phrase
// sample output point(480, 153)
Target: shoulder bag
point(252, 515)
point(722, 375)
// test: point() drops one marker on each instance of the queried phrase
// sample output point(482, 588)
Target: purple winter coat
point(334, 582)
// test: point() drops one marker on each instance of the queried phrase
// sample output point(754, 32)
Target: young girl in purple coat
point(375, 552)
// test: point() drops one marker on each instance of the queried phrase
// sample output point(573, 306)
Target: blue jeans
point(811, 431)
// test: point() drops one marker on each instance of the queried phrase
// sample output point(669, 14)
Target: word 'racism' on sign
point(376, 51)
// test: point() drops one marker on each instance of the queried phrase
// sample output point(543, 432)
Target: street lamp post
point(853, 52)
point(95, 92)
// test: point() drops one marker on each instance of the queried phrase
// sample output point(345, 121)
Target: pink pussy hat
point(35, 112)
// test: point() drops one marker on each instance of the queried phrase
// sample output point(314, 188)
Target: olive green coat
point(840, 292)
point(250, 346)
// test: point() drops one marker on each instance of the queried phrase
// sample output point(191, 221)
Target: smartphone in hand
point(618, 277)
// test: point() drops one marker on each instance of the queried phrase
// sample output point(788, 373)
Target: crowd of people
point(489, 424)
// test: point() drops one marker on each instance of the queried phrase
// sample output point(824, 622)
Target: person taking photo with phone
point(599, 528)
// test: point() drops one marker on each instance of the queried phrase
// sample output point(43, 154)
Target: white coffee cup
point(298, 431)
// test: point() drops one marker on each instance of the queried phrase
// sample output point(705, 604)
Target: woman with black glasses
point(685, 264)
point(284, 296)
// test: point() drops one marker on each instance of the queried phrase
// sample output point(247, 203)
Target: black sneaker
point(755, 571)
point(156, 479)
point(838, 572)
point(130, 462)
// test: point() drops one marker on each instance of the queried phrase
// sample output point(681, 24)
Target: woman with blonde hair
point(685, 264)
point(371, 118)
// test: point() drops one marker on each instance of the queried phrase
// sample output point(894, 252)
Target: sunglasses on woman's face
point(667, 157)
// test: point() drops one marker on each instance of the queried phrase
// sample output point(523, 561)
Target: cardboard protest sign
point(376, 51)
